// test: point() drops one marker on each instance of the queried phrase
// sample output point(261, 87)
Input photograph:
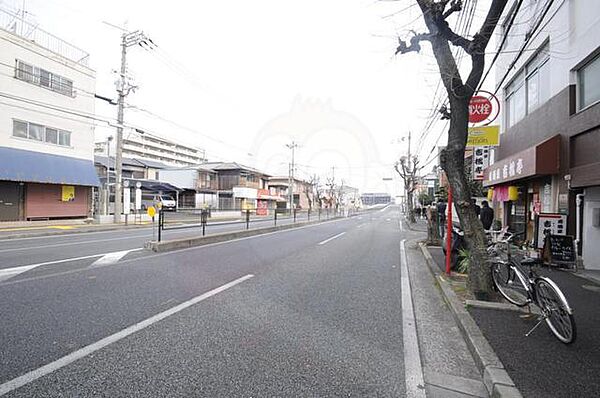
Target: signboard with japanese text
point(518, 166)
point(483, 136)
point(481, 160)
point(480, 108)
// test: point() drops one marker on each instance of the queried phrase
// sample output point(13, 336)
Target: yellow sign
point(68, 193)
point(151, 211)
point(484, 136)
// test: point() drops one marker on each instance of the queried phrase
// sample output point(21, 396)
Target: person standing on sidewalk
point(441, 209)
point(486, 215)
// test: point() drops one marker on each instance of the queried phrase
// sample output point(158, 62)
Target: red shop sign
point(480, 108)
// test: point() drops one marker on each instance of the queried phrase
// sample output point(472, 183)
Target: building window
point(43, 78)
point(529, 89)
point(37, 132)
point(589, 83)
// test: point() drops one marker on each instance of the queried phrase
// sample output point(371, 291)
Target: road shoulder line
point(413, 371)
point(33, 375)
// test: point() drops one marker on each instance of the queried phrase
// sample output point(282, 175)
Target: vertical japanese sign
point(481, 160)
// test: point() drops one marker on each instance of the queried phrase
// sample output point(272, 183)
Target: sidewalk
point(25, 229)
point(448, 367)
point(540, 365)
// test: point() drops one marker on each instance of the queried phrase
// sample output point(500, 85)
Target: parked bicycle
point(522, 288)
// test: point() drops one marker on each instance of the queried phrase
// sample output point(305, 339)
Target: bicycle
point(512, 283)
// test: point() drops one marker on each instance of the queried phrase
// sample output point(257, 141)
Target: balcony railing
point(14, 23)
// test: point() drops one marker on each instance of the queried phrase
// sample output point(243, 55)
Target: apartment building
point(548, 76)
point(46, 124)
point(139, 144)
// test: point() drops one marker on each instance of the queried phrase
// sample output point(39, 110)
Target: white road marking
point(8, 273)
point(388, 219)
point(111, 258)
point(401, 227)
point(27, 378)
point(413, 372)
point(332, 238)
point(362, 225)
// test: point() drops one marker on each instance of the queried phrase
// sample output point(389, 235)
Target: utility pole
point(108, 141)
point(293, 147)
point(123, 89)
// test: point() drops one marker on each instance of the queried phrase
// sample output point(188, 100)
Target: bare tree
point(310, 189)
point(407, 171)
point(441, 36)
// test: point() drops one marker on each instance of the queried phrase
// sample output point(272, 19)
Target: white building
point(46, 126)
point(139, 144)
point(548, 77)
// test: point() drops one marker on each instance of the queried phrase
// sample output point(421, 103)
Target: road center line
point(413, 372)
point(27, 378)
point(332, 238)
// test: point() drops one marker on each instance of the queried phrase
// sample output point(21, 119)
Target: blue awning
point(30, 166)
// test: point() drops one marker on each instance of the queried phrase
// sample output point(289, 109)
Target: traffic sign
point(151, 211)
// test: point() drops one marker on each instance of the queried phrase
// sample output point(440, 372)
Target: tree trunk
point(433, 228)
point(479, 282)
point(409, 206)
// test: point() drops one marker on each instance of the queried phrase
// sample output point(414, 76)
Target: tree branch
point(480, 42)
point(455, 6)
point(414, 43)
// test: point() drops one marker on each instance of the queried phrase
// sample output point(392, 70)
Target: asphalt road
point(314, 311)
point(67, 249)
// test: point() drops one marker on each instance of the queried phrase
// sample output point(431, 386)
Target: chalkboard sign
point(560, 250)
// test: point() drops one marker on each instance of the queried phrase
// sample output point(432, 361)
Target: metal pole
point(108, 140)
point(449, 232)
point(294, 214)
point(119, 144)
point(247, 219)
point(275, 217)
point(160, 224)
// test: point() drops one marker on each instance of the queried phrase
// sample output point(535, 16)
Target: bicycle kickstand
point(540, 320)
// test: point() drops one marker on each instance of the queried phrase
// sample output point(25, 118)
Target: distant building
point(303, 192)
point(46, 127)
point(221, 185)
point(141, 145)
point(370, 199)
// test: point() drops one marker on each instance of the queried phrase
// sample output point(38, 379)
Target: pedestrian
point(441, 209)
point(477, 207)
point(486, 215)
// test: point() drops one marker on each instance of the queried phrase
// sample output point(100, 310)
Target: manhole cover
point(593, 288)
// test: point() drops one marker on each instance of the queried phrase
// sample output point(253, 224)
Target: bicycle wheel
point(510, 283)
point(554, 306)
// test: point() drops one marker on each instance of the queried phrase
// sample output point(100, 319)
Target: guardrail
point(203, 219)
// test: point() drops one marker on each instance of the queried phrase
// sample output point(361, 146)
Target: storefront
point(35, 185)
point(525, 185)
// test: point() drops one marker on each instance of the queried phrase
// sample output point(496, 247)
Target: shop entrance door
point(9, 201)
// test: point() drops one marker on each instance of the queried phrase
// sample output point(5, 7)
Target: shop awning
point(538, 160)
point(29, 166)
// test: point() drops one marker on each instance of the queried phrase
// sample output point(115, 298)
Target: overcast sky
point(247, 77)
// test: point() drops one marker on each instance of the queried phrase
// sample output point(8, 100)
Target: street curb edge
point(495, 377)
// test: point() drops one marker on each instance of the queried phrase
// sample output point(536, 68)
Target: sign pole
point(449, 232)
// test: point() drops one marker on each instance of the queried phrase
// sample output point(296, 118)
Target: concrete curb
point(183, 243)
point(495, 378)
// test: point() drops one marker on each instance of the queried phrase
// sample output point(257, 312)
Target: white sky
point(247, 77)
